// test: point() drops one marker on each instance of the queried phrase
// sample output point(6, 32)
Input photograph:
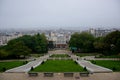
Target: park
point(55, 65)
point(86, 58)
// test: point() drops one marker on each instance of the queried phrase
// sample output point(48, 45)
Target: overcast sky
point(59, 13)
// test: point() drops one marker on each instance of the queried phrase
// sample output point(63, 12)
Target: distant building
point(100, 32)
point(61, 41)
point(58, 39)
point(4, 38)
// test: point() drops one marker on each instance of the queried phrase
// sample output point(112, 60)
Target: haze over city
point(67, 14)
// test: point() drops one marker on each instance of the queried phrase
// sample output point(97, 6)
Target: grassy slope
point(109, 64)
point(9, 65)
point(59, 66)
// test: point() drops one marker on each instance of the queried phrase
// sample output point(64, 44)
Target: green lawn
point(86, 54)
point(11, 64)
point(59, 66)
point(59, 55)
point(113, 65)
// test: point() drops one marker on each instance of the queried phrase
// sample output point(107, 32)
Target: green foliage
point(112, 43)
point(98, 44)
point(85, 69)
point(83, 41)
point(40, 43)
point(24, 45)
point(108, 45)
point(19, 48)
point(3, 54)
point(59, 66)
point(32, 68)
point(93, 61)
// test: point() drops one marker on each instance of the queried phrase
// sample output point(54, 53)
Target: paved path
point(27, 67)
point(90, 67)
point(60, 76)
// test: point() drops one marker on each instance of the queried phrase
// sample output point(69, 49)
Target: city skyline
point(65, 14)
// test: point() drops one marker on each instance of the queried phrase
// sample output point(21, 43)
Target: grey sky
point(59, 13)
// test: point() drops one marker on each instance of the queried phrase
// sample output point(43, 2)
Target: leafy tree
point(83, 41)
point(41, 43)
point(50, 45)
point(19, 48)
point(73, 40)
point(3, 54)
point(24, 46)
point(112, 43)
point(44, 43)
point(29, 41)
point(99, 44)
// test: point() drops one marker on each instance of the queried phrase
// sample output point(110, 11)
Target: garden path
point(89, 66)
point(27, 67)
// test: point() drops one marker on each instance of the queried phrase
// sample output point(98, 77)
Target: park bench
point(33, 74)
point(48, 74)
point(84, 74)
point(68, 74)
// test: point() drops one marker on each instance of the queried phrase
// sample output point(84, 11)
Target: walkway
point(27, 67)
point(89, 66)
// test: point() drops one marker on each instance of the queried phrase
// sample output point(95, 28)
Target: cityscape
point(59, 39)
point(60, 36)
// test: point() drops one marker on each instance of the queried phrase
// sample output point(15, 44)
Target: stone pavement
point(60, 76)
point(27, 67)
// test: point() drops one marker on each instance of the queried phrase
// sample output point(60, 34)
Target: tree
point(112, 43)
point(19, 49)
point(29, 41)
point(24, 46)
point(99, 44)
point(3, 54)
point(50, 45)
point(44, 43)
point(83, 41)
